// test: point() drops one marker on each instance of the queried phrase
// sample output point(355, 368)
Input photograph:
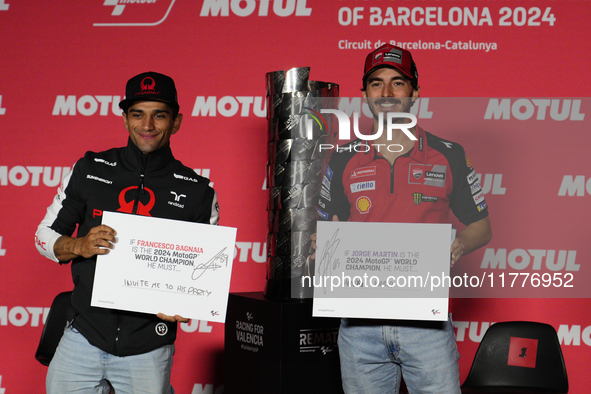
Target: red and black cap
point(391, 56)
point(150, 86)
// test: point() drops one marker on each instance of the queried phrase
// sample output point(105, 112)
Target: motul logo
point(2, 110)
point(535, 259)
point(3, 251)
point(571, 335)
point(256, 251)
point(492, 183)
point(248, 7)
point(32, 175)
point(86, 105)
point(574, 334)
point(524, 109)
point(229, 106)
point(194, 325)
point(474, 329)
point(574, 185)
point(20, 316)
point(245, 106)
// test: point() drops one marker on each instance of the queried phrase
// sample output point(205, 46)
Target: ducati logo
point(142, 209)
point(417, 173)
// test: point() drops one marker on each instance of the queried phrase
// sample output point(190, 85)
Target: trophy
point(297, 132)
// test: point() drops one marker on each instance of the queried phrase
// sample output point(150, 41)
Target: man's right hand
point(313, 237)
point(99, 240)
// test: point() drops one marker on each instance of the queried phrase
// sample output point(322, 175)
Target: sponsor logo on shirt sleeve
point(326, 182)
point(328, 172)
point(468, 162)
point(472, 177)
point(478, 198)
point(322, 214)
point(325, 194)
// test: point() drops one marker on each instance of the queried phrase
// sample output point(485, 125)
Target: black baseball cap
point(151, 86)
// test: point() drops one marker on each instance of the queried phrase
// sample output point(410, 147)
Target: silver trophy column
point(294, 175)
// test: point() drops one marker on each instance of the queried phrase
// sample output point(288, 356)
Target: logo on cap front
point(389, 56)
point(394, 56)
point(147, 86)
point(148, 83)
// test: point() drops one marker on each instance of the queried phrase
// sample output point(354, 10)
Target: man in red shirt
point(399, 179)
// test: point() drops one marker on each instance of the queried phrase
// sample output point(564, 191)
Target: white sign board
point(382, 270)
point(168, 266)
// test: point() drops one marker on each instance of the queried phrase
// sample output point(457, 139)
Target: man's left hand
point(457, 250)
point(172, 319)
point(473, 236)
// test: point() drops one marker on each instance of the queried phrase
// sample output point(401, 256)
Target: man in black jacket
point(131, 351)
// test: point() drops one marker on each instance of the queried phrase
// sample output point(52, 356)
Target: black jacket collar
point(152, 162)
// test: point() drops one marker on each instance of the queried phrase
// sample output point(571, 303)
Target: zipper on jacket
point(392, 177)
point(391, 173)
point(140, 188)
point(392, 169)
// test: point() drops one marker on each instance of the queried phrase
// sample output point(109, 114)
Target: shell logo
point(468, 162)
point(363, 204)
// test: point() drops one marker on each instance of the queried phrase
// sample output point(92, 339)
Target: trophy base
point(277, 347)
point(288, 288)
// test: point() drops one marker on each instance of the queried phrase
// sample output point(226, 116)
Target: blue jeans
point(375, 354)
point(78, 367)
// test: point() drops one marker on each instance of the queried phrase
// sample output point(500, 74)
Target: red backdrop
point(64, 67)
